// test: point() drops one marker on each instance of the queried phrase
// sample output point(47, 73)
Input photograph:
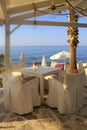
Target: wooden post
point(7, 46)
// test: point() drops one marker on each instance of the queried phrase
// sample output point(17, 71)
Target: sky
point(32, 35)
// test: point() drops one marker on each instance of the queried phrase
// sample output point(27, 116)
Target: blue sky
point(43, 35)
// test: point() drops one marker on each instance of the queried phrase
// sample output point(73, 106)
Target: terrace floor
point(43, 118)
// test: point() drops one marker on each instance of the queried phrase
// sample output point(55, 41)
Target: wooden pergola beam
point(14, 29)
point(29, 7)
point(43, 12)
point(47, 23)
point(4, 9)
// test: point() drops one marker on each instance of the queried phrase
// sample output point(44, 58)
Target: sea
point(35, 53)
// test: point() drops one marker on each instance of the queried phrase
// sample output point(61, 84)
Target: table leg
point(42, 89)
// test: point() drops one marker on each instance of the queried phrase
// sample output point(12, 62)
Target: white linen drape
point(67, 97)
point(18, 97)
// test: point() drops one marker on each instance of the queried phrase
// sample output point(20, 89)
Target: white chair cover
point(34, 92)
point(80, 66)
point(17, 67)
point(22, 57)
point(44, 61)
point(59, 76)
point(66, 96)
point(18, 97)
point(84, 69)
point(85, 74)
point(65, 66)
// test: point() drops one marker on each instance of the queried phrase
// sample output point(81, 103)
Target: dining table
point(40, 72)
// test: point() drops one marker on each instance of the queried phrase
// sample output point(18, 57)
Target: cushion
point(57, 65)
point(15, 73)
point(23, 80)
point(26, 79)
point(53, 63)
point(74, 71)
point(84, 64)
point(60, 65)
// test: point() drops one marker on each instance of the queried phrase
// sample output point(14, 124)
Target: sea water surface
point(35, 53)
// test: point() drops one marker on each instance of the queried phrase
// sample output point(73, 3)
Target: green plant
point(0, 83)
point(1, 57)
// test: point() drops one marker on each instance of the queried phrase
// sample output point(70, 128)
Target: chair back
point(20, 97)
point(74, 84)
point(66, 95)
point(15, 98)
point(80, 66)
point(22, 57)
point(44, 63)
point(5, 81)
point(17, 67)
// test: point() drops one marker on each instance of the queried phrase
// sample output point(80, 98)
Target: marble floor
point(43, 118)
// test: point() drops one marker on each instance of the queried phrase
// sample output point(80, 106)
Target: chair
point(84, 69)
point(59, 76)
point(20, 97)
point(22, 57)
point(17, 67)
point(65, 66)
point(57, 65)
point(80, 66)
point(43, 63)
point(85, 72)
point(66, 96)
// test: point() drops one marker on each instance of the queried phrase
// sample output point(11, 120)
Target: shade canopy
point(19, 11)
point(60, 55)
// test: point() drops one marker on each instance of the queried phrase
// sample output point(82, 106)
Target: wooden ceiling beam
point(4, 9)
point(44, 11)
point(29, 7)
point(47, 23)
